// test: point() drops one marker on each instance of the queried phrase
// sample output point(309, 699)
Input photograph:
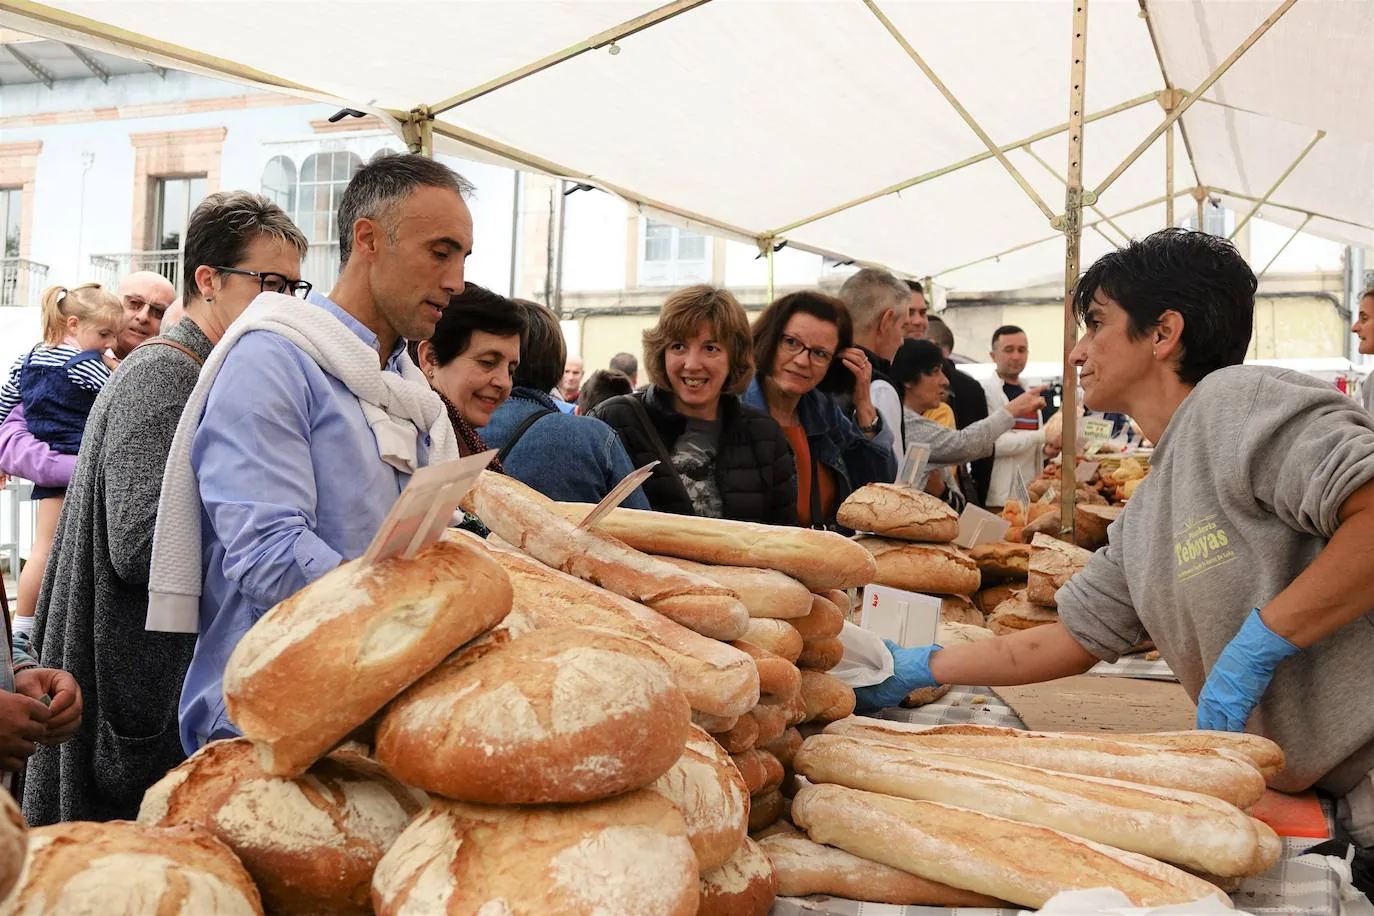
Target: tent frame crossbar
point(1102, 217)
point(1284, 247)
point(1275, 186)
point(1197, 93)
point(1171, 89)
point(1223, 192)
point(599, 40)
point(963, 112)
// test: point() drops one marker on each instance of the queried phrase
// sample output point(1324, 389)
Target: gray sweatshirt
point(955, 446)
point(1367, 393)
point(1247, 483)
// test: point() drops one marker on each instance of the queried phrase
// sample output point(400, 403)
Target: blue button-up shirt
point(291, 486)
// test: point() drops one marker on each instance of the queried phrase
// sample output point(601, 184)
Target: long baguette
point(777, 676)
point(824, 621)
point(1218, 773)
point(806, 867)
point(1022, 863)
point(1263, 753)
point(765, 592)
point(528, 520)
point(818, 559)
point(719, 680)
point(1194, 831)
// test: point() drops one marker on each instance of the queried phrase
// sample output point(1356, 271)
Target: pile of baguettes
point(971, 815)
point(495, 727)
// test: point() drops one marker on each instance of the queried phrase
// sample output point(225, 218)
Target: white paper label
point(907, 618)
point(425, 506)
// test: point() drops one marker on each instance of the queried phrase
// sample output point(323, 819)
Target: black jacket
point(755, 469)
point(970, 405)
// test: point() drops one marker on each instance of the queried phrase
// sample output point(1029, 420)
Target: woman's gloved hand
point(912, 672)
point(1241, 675)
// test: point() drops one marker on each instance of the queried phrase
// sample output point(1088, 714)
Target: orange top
point(796, 437)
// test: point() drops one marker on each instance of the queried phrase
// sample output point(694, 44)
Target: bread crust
point(931, 569)
point(895, 511)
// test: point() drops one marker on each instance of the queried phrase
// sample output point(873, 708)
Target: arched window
point(323, 179)
point(279, 183)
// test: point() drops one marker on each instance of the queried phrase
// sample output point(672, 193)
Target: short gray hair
point(869, 293)
point(386, 180)
point(222, 227)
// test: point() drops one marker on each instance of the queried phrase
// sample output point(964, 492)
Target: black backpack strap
point(520, 430)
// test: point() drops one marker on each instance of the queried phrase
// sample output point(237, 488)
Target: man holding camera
point(1025, 447)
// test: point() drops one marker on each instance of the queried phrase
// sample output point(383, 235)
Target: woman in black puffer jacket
point(717, 456)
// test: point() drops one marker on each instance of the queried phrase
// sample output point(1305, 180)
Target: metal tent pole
point(1073, 233)
point(1275, 186)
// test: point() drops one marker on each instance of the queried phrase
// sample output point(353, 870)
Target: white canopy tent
point(929, 137)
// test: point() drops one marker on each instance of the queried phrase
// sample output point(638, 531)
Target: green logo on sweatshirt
point(1200, 547)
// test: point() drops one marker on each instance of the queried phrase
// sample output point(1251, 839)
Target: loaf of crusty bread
point(746, 885)
point(932, 569)
point(817, 559)
point(987, 599)
point(119, 868)
point(325, 660)
point(742, 736)
point(806, 867)
point(959, 609)
point(311, 843)
point(821, 654)
point(764, 592)
point(709, 791)
point(772, 721)
point(629, 854)
point(827, 698)
point(714, 725)
point(786, 747)
point(839, 598)
point(753, 769)
point(1053, 563)
point(529, 521)
point(14, 841)
point(1090, 524)
point(718, 680)
point(1000, 561)
point(1018, 613)
point(1219, 773)
point(897, 511)
point(1195, 831)
point(1267, 756)
point(765, 809)
point(1023, 863)
point(825, 619)
point(573, 715)
point(924, 696)
point(777, 676)
point(776, 636)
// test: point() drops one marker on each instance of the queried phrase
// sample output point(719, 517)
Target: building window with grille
point(673, 257)
point(176, 198)
point(11, 211)
point(279, 183)
point(323, 178)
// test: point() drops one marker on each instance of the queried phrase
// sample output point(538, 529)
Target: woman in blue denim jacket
point(803, 348)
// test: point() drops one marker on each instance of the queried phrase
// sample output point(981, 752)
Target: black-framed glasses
point(269, 282)
point(791, 346)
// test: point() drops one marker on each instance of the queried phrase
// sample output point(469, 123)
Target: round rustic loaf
point(827, 697)
point(120, 868)
point(786, 747)
point(325, 660)
point(899, 512)
point(999, 561)
point(627, 855)
point(14, 840)
point(1018, 613)
point(310, 842)
point(710, 793)
point(746, 885)
point(932, 569)
point(569, 715)
point(765, 809)
point(959, 609)
point(742, 736)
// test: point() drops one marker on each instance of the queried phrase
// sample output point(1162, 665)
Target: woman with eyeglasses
point(717, 456)
point(803, 346)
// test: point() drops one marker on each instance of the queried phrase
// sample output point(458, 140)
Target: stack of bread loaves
point(971, 815)
point(786, 582)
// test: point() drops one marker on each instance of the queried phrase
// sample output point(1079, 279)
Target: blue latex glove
point(1241, 675)
point(912, 672)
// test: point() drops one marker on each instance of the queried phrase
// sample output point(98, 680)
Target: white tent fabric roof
point(750, 117)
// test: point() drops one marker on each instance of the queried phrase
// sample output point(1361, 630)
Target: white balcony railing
point(21, 281)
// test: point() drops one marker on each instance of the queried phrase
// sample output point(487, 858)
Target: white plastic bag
point(867, 660)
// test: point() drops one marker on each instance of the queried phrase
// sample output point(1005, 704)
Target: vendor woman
point(1245, 555)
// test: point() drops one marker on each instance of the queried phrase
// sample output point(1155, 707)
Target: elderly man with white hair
point(146, 296)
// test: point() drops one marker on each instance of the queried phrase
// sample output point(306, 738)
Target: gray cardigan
point(94, 598)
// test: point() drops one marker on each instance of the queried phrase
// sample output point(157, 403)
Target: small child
point(57, 382)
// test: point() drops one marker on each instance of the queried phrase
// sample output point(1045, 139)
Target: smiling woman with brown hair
point(803, 346)
point(718, 457)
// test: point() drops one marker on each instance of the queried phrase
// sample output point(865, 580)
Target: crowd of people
point(200, 458)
